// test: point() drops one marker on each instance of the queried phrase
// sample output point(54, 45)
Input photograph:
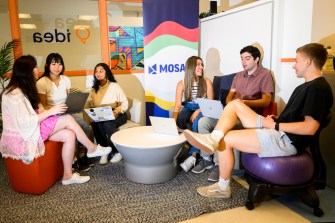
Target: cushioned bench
point(134, 113)
point(41, 174)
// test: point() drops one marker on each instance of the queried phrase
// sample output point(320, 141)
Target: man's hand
point(269, 121)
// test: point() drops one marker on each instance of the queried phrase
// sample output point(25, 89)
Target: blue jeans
point(184, 118)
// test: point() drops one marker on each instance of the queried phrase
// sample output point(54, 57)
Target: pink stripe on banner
point(175, 29)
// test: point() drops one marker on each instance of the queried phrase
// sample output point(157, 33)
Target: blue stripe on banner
point(154, 110)
point(184, 12)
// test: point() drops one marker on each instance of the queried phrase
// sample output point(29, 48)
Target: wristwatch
point(277, 126)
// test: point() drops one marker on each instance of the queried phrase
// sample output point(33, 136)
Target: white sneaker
point(214, 191)
point(103, 160)
point(116, 158)
point(204, 142)
point(76, 179)
point(188, 164)
point(100, 151)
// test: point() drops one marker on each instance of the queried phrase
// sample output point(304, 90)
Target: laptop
point(210, 108)
point(75, 102)
point(163, 125)
point(100, 114)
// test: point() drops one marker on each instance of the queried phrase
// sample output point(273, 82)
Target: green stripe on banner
point(165, 41)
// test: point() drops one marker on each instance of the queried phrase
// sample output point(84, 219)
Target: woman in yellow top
point(53, 88)
point(105, 91)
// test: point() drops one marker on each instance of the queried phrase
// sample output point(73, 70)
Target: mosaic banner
point(170, 37)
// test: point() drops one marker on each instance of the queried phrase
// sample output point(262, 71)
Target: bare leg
point(68, 122)
point(233, 110)
point(211, 142)
point(68, 138)
point(249, 144)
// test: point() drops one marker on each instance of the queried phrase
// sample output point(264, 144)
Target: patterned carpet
point(110, 197)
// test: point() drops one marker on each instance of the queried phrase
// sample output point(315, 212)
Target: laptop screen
point(75, 102)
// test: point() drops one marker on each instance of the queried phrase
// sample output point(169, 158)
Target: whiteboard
point(223, 35)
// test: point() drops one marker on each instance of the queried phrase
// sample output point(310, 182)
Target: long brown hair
point(189, 78)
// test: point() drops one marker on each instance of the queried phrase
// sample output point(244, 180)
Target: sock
point(224, 184)
point(217, 135)
point(207, 158)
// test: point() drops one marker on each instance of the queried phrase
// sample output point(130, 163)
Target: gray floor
point(327, 204)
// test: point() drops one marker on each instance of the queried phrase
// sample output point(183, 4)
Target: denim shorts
point(274, 143)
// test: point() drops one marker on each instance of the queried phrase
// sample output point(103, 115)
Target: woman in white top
point(53, 88)
point(194, 85)
point(106, 92)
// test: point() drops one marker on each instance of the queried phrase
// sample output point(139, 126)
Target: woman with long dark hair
point(106, 92)
point(53, 88)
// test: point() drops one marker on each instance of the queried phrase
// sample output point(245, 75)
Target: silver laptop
point(163, 125)
point(100, 114)
point(75, 102)
point(210, 108)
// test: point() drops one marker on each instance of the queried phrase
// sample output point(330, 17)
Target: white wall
point(292, 28)
point(297, 23)
point(323, 22)
point(219, 32)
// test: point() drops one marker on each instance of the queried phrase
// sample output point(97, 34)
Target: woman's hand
point(116, 113)
point(194, 115)
point(58, 109)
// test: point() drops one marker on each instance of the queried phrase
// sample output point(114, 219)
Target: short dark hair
point(316, 52)
point(254, 51)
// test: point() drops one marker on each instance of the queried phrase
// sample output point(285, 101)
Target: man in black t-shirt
point(288, 134)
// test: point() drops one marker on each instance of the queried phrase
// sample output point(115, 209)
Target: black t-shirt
point(313, 98)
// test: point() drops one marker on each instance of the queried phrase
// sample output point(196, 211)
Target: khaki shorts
point(274, 143)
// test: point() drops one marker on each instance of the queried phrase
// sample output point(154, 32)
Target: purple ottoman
point(289, 170)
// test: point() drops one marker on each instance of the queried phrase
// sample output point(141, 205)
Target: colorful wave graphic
point(173, 29)
point(184, 12)
point(166, 27)
point(165, 41)
point(156, 106)
point(163, 104)
point(168, 34)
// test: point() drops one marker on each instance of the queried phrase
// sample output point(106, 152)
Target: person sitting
point(27, 125)
point(286, 135)
point(194, 85)
point(107, 92)
point(254, 86)
point(53, 88)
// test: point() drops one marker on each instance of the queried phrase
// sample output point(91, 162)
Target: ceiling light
point(136, 4)
point(24, 16)
point(28, 26)
point(81, 27)
point(87, 17)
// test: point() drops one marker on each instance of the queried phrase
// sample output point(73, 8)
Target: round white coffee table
point(149, 157)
